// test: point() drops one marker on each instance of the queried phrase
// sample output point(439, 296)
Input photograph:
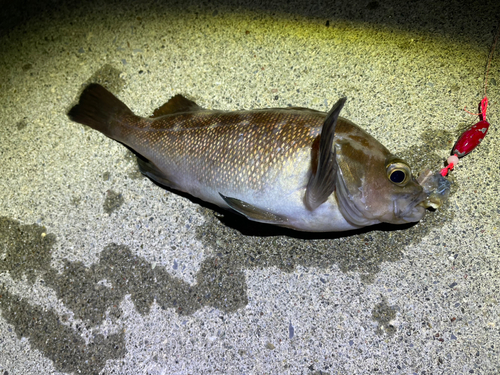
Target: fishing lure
point(472, 137)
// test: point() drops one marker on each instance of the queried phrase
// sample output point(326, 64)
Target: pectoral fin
point(254, 213)
point(322, 183)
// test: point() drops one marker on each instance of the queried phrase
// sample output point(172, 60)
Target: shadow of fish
point(293, 167)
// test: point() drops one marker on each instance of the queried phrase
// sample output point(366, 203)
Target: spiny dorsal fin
point(322, 183)
point(177, 104)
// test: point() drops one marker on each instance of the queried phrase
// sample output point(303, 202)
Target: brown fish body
point(269, 165)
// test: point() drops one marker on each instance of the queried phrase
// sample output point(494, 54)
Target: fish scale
point(227, 147)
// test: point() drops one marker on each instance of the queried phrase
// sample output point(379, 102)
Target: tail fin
point(101, 110)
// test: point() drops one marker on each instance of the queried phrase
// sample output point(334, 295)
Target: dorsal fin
point(177, 104)
point(322, 183)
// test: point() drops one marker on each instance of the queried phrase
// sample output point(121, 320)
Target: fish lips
point(436, 187)
point(409, 212)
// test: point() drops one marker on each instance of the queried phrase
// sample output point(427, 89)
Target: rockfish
point(293, 167)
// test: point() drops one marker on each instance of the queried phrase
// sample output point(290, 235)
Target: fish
point(292, 167)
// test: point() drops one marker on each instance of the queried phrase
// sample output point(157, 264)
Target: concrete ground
point(104, 272)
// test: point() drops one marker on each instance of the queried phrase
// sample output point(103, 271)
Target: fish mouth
point(412, 211)
point(436, 189)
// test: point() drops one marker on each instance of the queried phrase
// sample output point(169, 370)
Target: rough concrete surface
point(104, 272)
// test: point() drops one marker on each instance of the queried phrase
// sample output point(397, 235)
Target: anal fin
point(254, 213)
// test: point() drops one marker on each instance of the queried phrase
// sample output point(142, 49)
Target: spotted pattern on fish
point(241, 148)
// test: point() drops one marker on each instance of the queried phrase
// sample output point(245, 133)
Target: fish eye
point(398, 172)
